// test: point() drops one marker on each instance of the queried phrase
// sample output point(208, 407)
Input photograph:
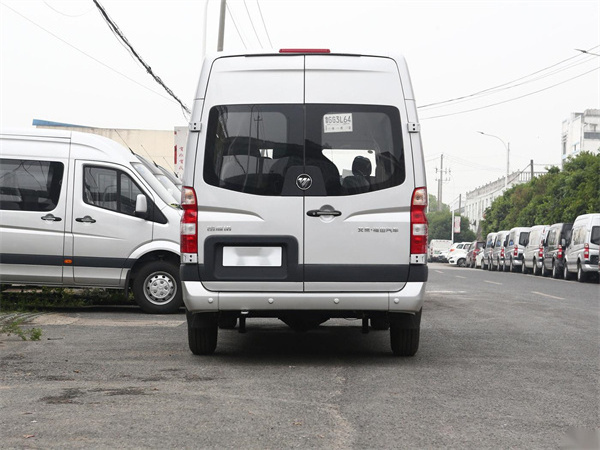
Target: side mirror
point(141, 206)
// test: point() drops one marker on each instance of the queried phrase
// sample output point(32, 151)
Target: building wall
point(581, 132)
point(155, 144)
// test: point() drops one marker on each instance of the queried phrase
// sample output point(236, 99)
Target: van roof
point(112, 150)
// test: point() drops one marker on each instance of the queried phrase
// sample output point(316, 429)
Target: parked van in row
point(438, 250)
point(80, 210)
point(555, 244)
point(487, 251)
point(581, 254)
point(533, 253)
point(513, 253)
point(304, 195)
point(496, 261)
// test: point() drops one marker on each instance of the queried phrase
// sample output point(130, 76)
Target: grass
point(14, 327)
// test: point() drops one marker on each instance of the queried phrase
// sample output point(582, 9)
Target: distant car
point(457, 255)
point(581, 254)
point(438, 250)
point(513, 252)
point(496, 261)
point(554, 247)
point(533, 254)
point(474, 250)
point(487, 251)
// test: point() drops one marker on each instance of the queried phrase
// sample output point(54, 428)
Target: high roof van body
point(304, 195)
point(80, 210)
point(581, 254)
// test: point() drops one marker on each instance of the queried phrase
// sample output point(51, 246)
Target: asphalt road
point(506, 360)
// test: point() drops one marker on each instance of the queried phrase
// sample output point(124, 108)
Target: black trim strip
point(78, 261)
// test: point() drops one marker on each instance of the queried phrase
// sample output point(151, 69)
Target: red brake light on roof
point(304, 50)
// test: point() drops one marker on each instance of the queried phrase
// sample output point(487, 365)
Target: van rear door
point(357, 230)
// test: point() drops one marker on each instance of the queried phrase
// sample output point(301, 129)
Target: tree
point(440, 227)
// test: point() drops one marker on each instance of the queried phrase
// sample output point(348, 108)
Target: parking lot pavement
point(492, 372)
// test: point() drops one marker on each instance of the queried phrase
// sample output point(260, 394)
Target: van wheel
point(157, 289)
point(404, 333)
point(461, 262)
point(536, 271)
point(524, 270)
point(380, 323)
point(555, 272)
point(581, 275)
point(202, 332)
point(566, 274)
point(545, 272)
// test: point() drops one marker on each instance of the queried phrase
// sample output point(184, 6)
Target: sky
point(512, 65)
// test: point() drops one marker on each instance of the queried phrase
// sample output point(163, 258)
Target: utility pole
point(531, 166)
point(221, 26)
point(459, 203)
point(439, 199)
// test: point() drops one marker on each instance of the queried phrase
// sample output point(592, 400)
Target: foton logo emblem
point(377, 230)
point(304, 181)
point(218, 229)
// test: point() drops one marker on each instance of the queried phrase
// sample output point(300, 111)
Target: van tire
point(555, 272)
point(566, 274)
point(202, 333)
point(404, 333)
point(581, 275)
point(157, 288)
point(536, 271)
point(227, 323)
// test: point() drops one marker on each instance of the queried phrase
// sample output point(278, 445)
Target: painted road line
point(445, 292)
point(547, 295)
point(458, 276)
point(492, 282)
point(439, 271)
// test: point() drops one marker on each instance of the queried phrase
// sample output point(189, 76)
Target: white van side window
point(30, 185)
point(110, 189)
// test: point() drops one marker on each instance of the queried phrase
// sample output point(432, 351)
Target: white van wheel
point(405, 330)
point(203, 331)
point(157, 289)
point(581, 275)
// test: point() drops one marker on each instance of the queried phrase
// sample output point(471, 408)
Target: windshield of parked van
point(346, 149)
point(166, 190)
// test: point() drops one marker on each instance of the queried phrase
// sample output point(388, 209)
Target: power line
point(493, 88)
point(236, 27)
point(84, 53)
point(124, 40)
point(511, 99)
point(252, 23)
point(263, 22)
point(65, 14)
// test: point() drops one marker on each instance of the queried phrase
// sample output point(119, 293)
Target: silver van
point(80, 210)
point(304, 195)
point(486, 263)
point(533, 253)
point(497, 257)
point(513, 252)
point(581, 254)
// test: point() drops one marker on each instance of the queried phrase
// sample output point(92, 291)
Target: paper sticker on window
point(337, 123)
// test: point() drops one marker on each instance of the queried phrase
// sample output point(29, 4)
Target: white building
point(482, 197)
point(581, 132)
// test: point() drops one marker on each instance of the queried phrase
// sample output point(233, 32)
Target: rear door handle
point(322, 212)
point(51, 218)
point(85, 219)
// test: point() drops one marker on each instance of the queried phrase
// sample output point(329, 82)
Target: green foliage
point(440, 227)
point(433, 204)
point(558, 196)
point(27, 298)
point(14, 327)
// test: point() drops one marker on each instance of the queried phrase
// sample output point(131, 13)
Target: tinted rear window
point(595, 237)
point(523, 237)
point(352, 148)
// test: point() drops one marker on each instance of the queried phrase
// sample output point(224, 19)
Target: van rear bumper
point(198, 299)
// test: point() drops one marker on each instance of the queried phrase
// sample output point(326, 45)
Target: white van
point(80, 210)
point(304, 195)
point(581, 254)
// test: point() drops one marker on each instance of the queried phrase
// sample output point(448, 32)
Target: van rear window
point(29, 185)
point(352, 149)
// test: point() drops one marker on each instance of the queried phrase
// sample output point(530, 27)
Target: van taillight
point(516, 252)
point(189, 221)
point(502, 252)
point(586, 251)
point(559, 255)
point(541, 252)
point(418, 222)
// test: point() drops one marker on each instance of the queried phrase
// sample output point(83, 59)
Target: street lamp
point(507, 147)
